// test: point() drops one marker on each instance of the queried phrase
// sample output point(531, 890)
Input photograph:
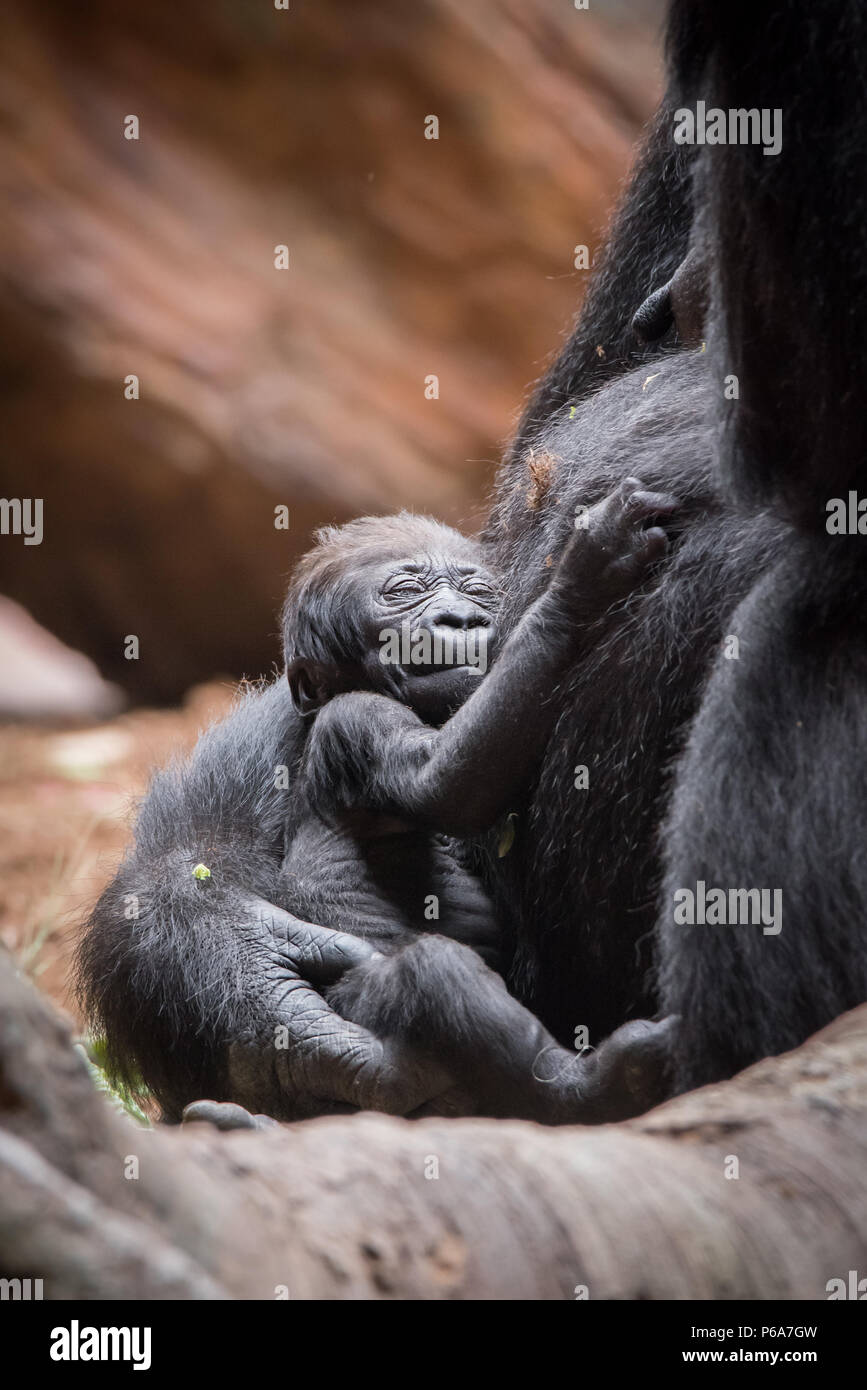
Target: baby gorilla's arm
point(438, 996)
point(368, 751)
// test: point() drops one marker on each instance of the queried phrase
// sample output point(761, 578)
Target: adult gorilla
point(748, 762)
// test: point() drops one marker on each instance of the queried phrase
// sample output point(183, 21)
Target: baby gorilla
point(389, 626)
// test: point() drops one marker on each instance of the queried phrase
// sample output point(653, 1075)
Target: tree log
point(369, 1207)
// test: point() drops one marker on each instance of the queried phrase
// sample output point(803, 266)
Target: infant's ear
point(308, 685)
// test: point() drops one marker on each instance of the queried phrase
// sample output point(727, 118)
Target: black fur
point(785, 244)
point(173, 986)
point(351, 846)
point(583, 878)
point(766, 792)
point(769, 794)
point(769, 791)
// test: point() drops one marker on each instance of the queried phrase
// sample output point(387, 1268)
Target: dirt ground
point(67, 806)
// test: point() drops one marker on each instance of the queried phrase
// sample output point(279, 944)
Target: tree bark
point(370, 1207)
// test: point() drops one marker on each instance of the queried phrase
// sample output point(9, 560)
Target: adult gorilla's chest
point(579, 887)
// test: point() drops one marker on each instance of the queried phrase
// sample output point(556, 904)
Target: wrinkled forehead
point(429, 563)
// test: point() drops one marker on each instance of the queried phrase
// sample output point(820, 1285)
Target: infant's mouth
point(421, 670)
point(430, 654)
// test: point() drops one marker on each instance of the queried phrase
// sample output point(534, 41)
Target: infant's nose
point(458, 613)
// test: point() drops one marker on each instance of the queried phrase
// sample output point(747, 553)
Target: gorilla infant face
point(429, 624)
point(402, 606)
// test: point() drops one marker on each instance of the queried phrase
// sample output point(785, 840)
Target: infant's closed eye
point(477, 588)
point(403, 586)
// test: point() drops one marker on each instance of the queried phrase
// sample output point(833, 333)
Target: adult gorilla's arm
point(190, 978)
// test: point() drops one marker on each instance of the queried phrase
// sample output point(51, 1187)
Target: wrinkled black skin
point(741, 773)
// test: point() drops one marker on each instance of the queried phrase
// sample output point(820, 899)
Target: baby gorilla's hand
point(613, 547)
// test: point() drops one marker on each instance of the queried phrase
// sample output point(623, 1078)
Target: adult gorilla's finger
point(319, 1061)
point(331, 1061)
point(319, 954)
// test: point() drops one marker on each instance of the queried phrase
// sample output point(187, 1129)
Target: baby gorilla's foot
point(627, 1075)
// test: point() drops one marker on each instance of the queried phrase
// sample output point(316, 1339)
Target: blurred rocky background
point(258, 387)
point(261, 387)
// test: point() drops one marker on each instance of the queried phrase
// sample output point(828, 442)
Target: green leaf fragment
point(507, 835)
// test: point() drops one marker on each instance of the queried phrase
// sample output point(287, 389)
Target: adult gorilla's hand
point(304, 1059)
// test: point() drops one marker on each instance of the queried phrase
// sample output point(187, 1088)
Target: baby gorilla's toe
point(630, 1072)
point(224, 1115)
